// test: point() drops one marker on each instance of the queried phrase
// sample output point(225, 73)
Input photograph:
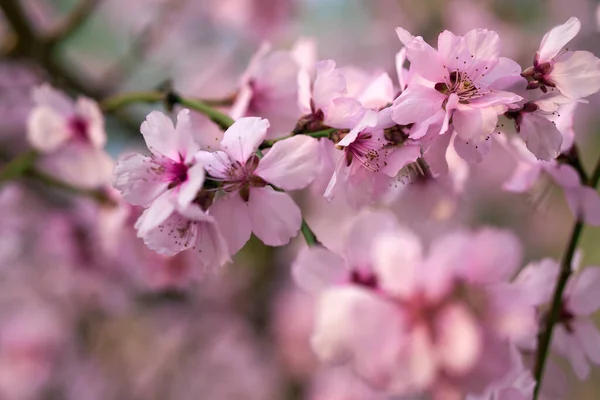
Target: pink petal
point(379, 93)
point(416, 103)
point(46, 96)
point(291, 164)
point(47, 130)
point(344, 113)
point(474, 124)
point(424, 59)
point(472, 152)
point(422, 360)
point(494, 98)
point(160, 136)
point(576, 74)
point(339, 178)
point(173, 235)
point(567, 345)
point(242, 138)
point(317, 268)
point(460, 343)
point(584, 203)
point(589, 337)
point(501, 74)
point(329, 84)
point(400, 157)
point(186, 145)
point(541, 136)
point(397, 260)
point(450, 46)
point(274, 216)
point(192, 185)
point(585, 297)
point(369, 120)
point(80, 165)
point(88, 110)
point(400, 70)
point(243, 97)
point(216, 163)
point(451, 106)
point(210, 245)
point(523, 177)
point(538, 280)
point(155, 215)
point(232, 216)
point(356, 324)
point(563, 174)
point(553, 41)
point(482, 44)
point(137, 179)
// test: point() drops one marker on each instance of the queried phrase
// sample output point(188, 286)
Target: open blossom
point(427, 324)
point(463, 83)
point(372, 154)
point(269, 87)
point(575, 74)
point(249, 204)
point(71, 137)
point(575, 336)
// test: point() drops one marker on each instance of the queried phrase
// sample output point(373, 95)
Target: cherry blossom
point(463, 82)
point(575, 337)
point(71, 137)
point(249, 204)
point(575, 74)
point(421, 329)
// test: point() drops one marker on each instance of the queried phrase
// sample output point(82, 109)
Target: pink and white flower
point(463, 82)
point(431, 322)
point(71, 137)
point(574, 74)
point(249, 204)
point(575, 336)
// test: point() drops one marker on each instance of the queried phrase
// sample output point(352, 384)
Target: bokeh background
point(88, 313)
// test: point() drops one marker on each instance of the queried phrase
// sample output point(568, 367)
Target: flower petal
point(186, 145)
point(576, 74)
point(173, 235)
point(584, 203)
point(211, 245)
point(416, 103)
point(554, 40)
point(159, 135)
point(585, 296)
point(46, 96)
point(242, 138)
point(137, 178)
point(316, 268)
point(589, 337)
point(232, 216)
point(291, 164)
point(460, 342)
point(216, 163)
point(329, 84)
point(88, 110)
point(474, 124)
point(400, 157)
point(542, 137)
point(275, 218)
point(155, 215)
point(47, 130)
point(424, 59)
point(192, 185)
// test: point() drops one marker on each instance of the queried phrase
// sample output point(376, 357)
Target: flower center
point(177, 174)
point(241, 177)
point(462, 85)
point(368, 151)
point(79, 127)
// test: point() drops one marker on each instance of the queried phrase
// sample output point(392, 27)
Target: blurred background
point(87, 312)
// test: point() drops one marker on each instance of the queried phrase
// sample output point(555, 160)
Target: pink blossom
point(317, 268)
point(575, 74)
point(583, 200)
point(269, 87)
point(420, 328)
point(71, 137)
point(464, 82)
point(169, 172)
point(575, 336)
point(249, 204)
point(372, 154)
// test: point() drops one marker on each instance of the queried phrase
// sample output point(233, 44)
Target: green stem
point(18, 166)
point(224, 121)
point(309, 235)
point(113, 103)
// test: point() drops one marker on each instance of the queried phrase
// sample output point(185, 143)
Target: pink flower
point(575, 336)
point(269, 87)
point(169, 172)
point(71, 137)
point(372, 154)
point(575, 74)
point(438, 324)
point(249, 203)
point(464, 82)
point(583, 200)
point(317, 268)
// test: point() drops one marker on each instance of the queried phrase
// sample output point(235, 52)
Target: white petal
point(291, 164)
point(46, 129)
point(317, 268)
point(275, 218)
point(460, 342)
point(242, 138)
point(557, 38)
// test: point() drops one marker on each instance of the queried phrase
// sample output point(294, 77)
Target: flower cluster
point(450, 314)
